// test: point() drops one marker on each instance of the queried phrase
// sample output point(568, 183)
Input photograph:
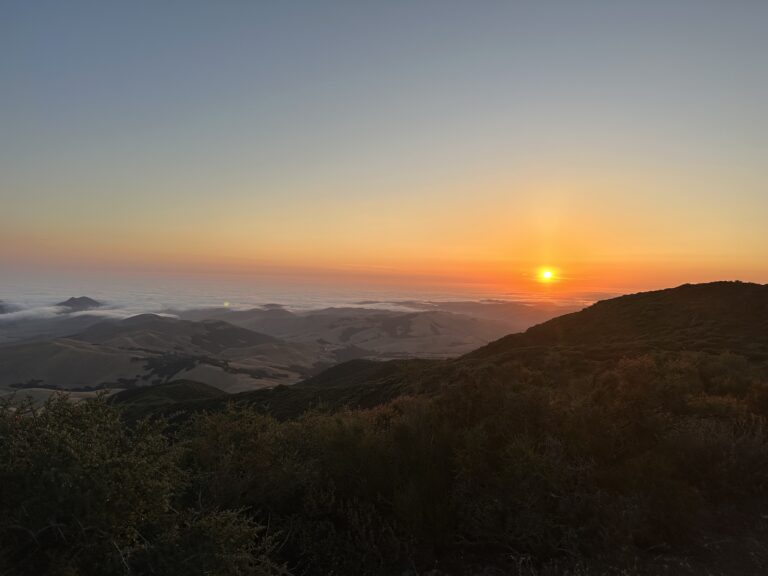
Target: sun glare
point(546, 275)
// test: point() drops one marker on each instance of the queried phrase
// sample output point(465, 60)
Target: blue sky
point(385, 135)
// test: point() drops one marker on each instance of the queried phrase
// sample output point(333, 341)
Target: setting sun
point(546, 275)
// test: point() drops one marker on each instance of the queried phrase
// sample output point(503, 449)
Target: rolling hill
point(151, 349)
point(425, 329)
point(717, 322)
point(718, 316)
point(81, 347)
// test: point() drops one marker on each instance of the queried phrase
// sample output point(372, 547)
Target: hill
point(717, 323)
point(718, 316)
point(137, 402)
point(79, 304)
point(164, 333)
point(422, 329)
point(628, 438)
point(150, 349)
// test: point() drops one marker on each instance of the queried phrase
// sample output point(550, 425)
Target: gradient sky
point(623, 143)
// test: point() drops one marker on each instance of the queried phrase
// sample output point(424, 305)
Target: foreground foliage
point(556, 464)
point(82, 493)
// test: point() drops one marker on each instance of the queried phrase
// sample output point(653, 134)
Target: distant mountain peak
point(79, 304)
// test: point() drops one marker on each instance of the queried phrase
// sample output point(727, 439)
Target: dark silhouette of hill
point(173, 391)
point(80, 304)
point(354, 372)
point(148, 400)
point(715, 316)
point(353, 384)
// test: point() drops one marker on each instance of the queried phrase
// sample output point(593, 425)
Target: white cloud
point(37, 313)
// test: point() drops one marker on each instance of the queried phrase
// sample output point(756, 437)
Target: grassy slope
point(709, 318)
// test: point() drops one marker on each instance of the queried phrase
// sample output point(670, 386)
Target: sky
point(620, 144)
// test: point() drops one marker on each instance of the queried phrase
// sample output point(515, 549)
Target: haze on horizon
point(621, 144)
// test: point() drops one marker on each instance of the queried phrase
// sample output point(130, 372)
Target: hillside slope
point(714, 316)
point(629, 438)
point(150, 349)
point(719, 324)
point(424, 329)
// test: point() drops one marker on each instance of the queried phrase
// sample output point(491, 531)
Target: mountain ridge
point(723, 314)
point(554, 351)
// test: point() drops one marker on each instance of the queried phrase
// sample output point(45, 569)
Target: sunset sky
point(620, 144)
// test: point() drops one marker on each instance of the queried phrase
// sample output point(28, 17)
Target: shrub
point(82, 493)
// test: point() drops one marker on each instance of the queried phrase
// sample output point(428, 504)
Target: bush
point(82, 493)
point(564, 461)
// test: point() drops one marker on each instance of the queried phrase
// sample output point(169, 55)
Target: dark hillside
point(628, 439)
point(155, 400)
point(717, 316)
point(355, 384)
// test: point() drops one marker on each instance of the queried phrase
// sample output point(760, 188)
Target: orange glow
point(546, 275)
point(571, 236)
